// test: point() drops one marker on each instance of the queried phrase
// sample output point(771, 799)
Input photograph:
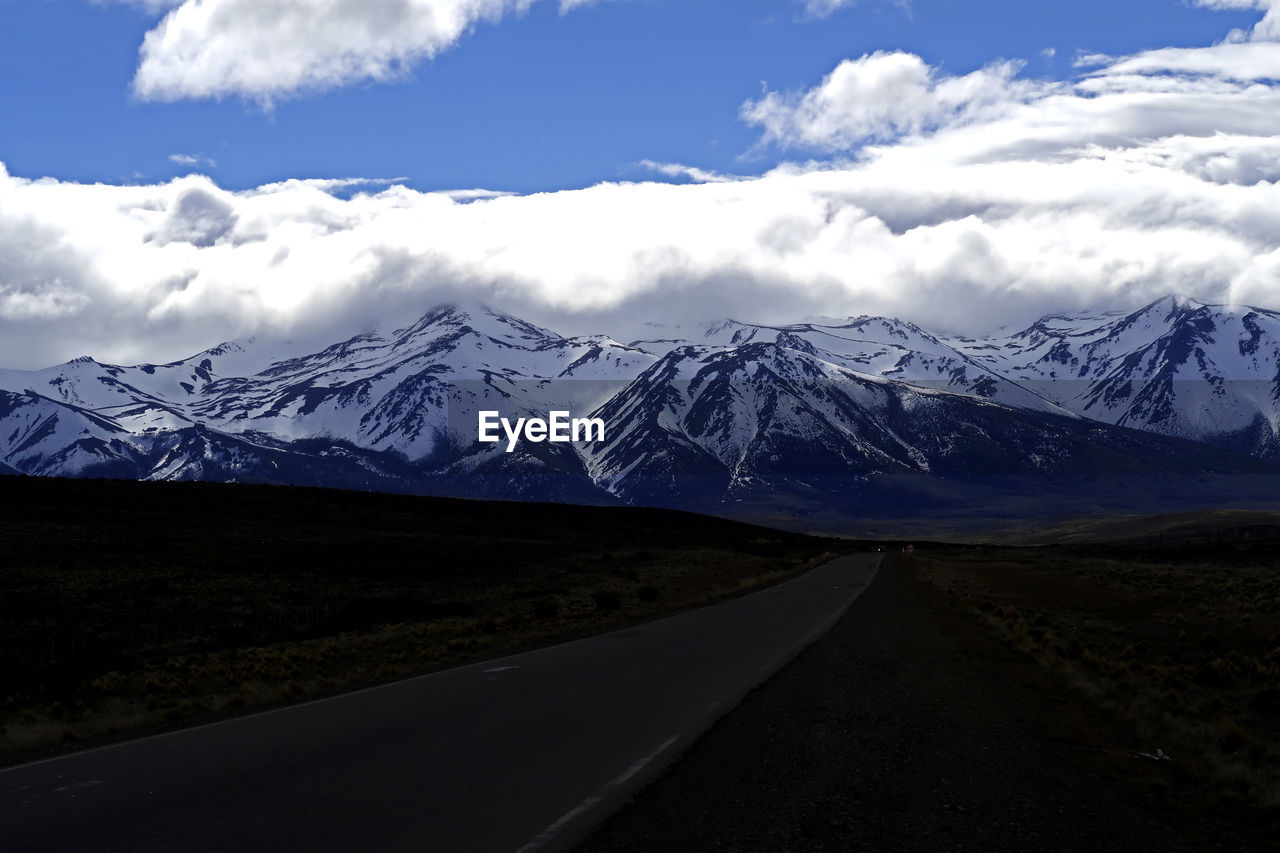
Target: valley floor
point(909, 727)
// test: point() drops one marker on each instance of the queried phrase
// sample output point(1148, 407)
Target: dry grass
point(1185, 652)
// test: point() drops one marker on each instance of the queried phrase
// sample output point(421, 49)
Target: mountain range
point(1176, 404)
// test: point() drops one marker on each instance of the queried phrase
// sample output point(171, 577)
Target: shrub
point(1213, 645)
point(606, 600)
point(1232, 739)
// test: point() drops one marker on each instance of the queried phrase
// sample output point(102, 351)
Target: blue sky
point(536, 102)
point(169, 168)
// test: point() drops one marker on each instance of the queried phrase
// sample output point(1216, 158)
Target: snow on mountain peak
point(480, 320)
point(1176, 366)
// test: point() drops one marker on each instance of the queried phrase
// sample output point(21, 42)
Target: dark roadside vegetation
point(1171, 634)
point(127, 608)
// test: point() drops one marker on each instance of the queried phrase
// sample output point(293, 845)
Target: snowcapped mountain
point(707, 418)
point(1177, 367)
point(876, 346)
point(416, 390)
point(410, 396)
point(54, 438)
point(715, 425)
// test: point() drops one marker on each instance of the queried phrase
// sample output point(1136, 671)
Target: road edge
point(570, 829)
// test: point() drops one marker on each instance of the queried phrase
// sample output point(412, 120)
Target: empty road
point(523, 753)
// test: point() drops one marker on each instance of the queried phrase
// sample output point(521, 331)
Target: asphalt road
point(521, 753)
point(907, 728)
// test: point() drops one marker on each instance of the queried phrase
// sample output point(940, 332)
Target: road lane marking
point(586, 805)
point(501, 669)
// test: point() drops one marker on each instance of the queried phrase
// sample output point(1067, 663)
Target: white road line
point(501, 669)
point(554, 829)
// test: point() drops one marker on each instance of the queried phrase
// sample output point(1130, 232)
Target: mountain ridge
point(732, 413)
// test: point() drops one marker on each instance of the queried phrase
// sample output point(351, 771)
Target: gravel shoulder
point(904, 728)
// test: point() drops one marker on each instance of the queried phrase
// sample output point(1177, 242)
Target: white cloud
point(980, 200)
point(1267, 29)
point(268, 49)
point(475, 194)
point(1086, 59)
point(1232, 61)
point(199, 216)
point(881, 96)
point(193, 160)
point(825, 8)
point(153, 7)
point(679, 170)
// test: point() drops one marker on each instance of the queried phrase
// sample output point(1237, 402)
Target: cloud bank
point(962, 202)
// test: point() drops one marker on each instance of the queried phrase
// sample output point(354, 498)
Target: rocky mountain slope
point(731, 414)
